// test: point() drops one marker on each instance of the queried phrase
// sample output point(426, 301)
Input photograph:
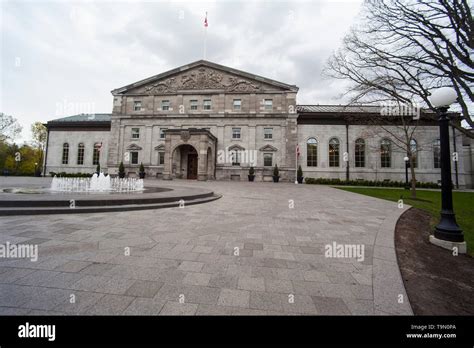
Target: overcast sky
point(60, 58)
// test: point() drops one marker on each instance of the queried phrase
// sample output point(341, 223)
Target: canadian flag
point(298, 151)
point(205, 21)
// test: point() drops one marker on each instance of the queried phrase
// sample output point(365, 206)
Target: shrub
point(299, 173)
point(142, 168)
point(70, 175)
point(276, 172)
point(251, 171)
point(121, 170)
point(370, 183)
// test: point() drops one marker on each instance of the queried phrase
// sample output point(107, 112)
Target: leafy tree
point(40, 134)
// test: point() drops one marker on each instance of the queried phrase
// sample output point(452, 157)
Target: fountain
point(97, 183)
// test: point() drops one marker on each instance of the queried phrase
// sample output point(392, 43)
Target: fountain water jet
point(97, 183)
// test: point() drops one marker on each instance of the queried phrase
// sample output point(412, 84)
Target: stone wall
point(57, 138)
point(424, 135)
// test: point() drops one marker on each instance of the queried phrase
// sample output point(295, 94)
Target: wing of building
point(206, 121)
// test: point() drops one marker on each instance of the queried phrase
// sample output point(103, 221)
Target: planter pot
point(300, 179)
point(251, 177)
point(142, 175)
point(276, 178)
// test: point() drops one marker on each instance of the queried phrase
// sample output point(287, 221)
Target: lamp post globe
point(443, 97)
point(447, 233)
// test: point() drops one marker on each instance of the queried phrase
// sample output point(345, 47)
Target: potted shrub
point(251, 174)
point(97, 169)
point(121, 172)
point(299, 175)
point(276, 174)
point(141, 171)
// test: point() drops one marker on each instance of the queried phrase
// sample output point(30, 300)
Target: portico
point(190, 154)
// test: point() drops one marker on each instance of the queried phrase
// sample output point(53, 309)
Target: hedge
point(385, 183)
point(70, 175)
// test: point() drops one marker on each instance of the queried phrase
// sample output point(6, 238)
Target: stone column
point(148, 145)
point(202, 158)
point(167, 171)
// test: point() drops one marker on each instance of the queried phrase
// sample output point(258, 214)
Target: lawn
point(430, 201)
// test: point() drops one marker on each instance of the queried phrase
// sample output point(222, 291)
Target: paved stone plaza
point(182, 259)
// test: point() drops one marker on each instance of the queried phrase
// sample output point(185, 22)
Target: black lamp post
point(406, 159)
point(447, 229)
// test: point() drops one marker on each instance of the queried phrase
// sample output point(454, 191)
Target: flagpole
point(205, 38)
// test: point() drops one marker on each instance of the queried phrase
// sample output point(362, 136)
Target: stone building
point(206, 121)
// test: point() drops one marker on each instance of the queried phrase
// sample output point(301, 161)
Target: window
point(162, 133)
point(235, 133)
point(268, 104)
point(360, 153)
point(80, 154)
point(267, 160)
point(334, 152)
point(237, 104)
point(236, 157)
point(137, 105)
point(65, 153)
point(437, 154)
point(161, 158)
point(312, 152)
point(96, 154)
point(414, 152)
point(207, 104)
point(268, 133)
point(135, 133)
point(165, 105)
point(385, 153)
point(134, 157)
point(194, 104)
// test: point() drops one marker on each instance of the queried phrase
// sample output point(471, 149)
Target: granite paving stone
point(190, 252)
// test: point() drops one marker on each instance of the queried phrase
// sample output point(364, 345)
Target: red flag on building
point(297, 150)
point(205, 21)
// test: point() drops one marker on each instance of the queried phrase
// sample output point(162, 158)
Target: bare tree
point(9, 127)
point(402, 49)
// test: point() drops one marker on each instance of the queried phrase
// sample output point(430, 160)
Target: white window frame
point(161, 155)
point(268, 104)
point(237, 104)
point(137, 105)
point(135, 133)
point(165, 105)
point(235, 133)
point(162, 134)
point(131, 157)
point(270, 137)
point(265, 154)
point(207, 104)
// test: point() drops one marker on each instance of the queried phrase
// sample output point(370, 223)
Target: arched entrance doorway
point(190, 154)
point(185, 162)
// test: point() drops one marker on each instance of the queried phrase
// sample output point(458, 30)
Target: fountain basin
point(36, 199)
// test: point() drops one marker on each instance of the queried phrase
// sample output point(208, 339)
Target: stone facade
point(235, 107)
point(207, 121)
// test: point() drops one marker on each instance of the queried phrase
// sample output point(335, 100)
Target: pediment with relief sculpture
point(200, 76)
